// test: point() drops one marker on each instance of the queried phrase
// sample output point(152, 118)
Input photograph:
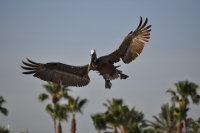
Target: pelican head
point(93, 58)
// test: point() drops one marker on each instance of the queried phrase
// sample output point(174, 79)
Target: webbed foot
point(108, 84)
point(123, 76)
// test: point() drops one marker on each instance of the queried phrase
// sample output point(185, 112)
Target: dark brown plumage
point(68, 75)
point(58, 73)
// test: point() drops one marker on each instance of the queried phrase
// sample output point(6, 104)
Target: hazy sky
point(60, 31)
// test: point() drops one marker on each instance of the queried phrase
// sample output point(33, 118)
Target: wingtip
point(140, 22)
point(22, 61)
point(32, 61)
point(29, 72)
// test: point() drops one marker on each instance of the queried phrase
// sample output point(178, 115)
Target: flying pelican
point(69, 75)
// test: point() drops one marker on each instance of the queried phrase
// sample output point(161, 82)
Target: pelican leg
point(108, 84)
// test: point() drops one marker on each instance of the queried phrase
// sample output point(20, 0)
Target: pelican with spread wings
point(69, 75)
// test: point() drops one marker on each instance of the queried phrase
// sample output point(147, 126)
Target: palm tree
point(185, 89)
point(99, 121)
point(4, 111)
point(58, 112)
point(57, 92)
point(74, 106)
point(119, 116)
point(166, 121)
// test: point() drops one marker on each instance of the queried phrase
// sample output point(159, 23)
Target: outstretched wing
point(132, 44)
point(58, 73)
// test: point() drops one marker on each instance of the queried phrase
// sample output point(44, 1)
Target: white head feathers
point(92, 52)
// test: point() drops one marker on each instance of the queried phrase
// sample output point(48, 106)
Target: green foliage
point(76, 105)
point(133, 128)
point(166, 120)
point(43, 97)
point(185, 90)
point(99, 122)
point(56, 91)
point(119, 116)
point(150, 130)
point(3, 130)
point(59, 111)
point(196, 126)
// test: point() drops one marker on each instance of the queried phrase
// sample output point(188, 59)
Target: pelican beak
point(90, 64)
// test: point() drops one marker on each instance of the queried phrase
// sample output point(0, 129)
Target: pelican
point(69, 75)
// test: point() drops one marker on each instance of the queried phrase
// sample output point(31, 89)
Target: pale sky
point(63, 31)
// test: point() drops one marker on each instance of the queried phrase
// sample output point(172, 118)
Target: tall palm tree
point(166, 121)
point(99, 121)
point(58, 112)
point(4, 111)
point(56, 91)
point(185, 89)
point(74, 106)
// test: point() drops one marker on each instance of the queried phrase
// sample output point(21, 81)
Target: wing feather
point(58, 73)
point(132, 45)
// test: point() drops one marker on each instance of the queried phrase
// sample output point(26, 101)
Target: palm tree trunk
point(184, 120)
point(115, 130)
point(54, 99)
point(184, 125)
point(54, 120)
point(178, 127)
point(59, 127)
point(73, 124)
point(123, 130)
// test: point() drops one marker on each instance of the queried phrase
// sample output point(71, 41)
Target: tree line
point(118, 117)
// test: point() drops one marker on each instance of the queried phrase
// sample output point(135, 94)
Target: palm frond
point(81, 104)
point(43, 97)
point(4, 111)
point(2, 100)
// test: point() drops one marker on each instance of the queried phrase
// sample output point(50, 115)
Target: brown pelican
point(69, 75)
